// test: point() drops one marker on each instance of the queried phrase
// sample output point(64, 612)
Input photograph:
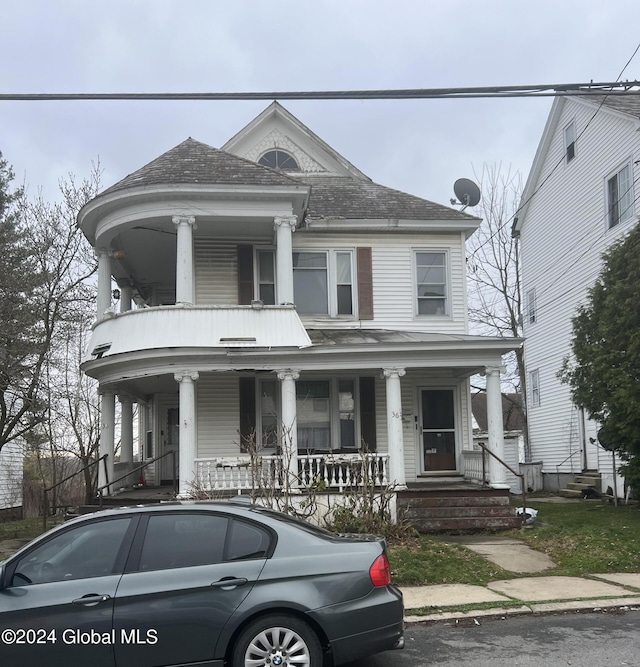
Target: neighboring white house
point(578, 200)
point(271, 291)
point(11, 457)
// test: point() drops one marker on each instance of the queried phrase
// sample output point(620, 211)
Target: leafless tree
point(493, 267)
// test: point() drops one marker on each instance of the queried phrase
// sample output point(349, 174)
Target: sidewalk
point(524, 595)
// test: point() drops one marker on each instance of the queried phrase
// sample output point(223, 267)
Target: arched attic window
point(279, 159)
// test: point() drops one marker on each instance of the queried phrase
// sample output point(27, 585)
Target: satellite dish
point(605, 439)
point(467, 192)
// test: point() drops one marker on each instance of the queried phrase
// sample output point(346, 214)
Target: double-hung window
point(570, 142)
point(266, 277)
point(326, 414)
point(534, 378)
point(323, 282)
point(431, 283)
point(620, 196)
point(532, 313)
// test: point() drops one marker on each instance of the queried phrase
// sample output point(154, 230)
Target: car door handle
point(228, 583)
point(91, 599)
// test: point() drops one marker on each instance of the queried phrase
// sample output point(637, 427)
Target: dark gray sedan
point(205, 584)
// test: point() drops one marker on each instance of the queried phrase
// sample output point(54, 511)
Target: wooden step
point(457, 501)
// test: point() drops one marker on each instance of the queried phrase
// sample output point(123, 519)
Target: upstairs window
point(323, 283)
point(266, 277)
point(531, 306)
point(570, 142)
point(279, 159)
point(620, 196)
point(431, 283)
point(534, 381)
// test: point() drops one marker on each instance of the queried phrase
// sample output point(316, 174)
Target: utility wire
point(539, 90)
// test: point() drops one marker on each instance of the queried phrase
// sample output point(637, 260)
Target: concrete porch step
point(466, 524)
point(411, 512)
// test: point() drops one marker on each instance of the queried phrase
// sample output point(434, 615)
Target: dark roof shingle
point(629, 104)
point(195, 162)
point(356, 199)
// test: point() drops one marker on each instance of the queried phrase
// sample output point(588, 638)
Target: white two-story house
point(271, 295)
point(579, 199)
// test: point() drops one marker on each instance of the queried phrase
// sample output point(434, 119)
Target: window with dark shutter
point(247, 413)
point(368, 412)
point(365, 284)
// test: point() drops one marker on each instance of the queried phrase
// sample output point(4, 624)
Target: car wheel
point(277, 641)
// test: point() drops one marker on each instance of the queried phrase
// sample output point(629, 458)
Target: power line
point(539, 90)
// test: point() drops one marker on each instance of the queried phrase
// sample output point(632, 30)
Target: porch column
point(288, 379)
point(495, 427)
point(394, 426)
point(184, 259)
point(126, 294)
point(284, 226)
point(103, 302)
point(107, 437)
point(126, 432)
point(187, 418)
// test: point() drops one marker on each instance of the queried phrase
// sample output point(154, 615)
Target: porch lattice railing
point(325, 471)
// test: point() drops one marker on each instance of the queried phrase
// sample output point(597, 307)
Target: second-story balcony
point(194, 327)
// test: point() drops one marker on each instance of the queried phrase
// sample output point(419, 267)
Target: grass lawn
point(584, 537)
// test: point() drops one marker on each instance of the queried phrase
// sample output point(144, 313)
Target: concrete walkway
point(536, 594)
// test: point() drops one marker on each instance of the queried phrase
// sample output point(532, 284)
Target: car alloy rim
point(277, 647)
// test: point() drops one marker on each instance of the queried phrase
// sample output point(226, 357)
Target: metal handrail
point(564, 461)
point(171, 453)
point(45, 509)
point(508, 467)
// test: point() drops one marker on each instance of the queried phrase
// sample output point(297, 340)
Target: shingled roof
point(629, 104)
point(351, 198)
point(195, 162)
point(332, 197)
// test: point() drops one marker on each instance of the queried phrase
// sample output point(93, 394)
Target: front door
point(438, 440)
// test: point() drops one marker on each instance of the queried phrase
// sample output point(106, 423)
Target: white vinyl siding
point(216, 272)
point(11, 476)
point(562, 239)
point(393, 277)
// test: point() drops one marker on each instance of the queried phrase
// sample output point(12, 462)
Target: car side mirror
point(2, 574)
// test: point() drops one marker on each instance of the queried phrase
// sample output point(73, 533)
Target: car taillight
point(380, 572)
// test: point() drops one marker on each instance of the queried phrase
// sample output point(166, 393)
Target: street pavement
point(536, 595)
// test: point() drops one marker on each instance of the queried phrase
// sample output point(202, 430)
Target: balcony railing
point(321, 471)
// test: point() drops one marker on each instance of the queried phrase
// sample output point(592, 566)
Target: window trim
point(256, 277)
point(332, 282)
point(276, 150)
point(534, 381)
point(531, 306)
point(414, 278)
point(628, 163)
point(568, 144)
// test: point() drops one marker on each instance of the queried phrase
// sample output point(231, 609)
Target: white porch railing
point(323, 471)
point(473, 466)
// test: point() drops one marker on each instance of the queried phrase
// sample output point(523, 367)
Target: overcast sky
point(418, 146)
